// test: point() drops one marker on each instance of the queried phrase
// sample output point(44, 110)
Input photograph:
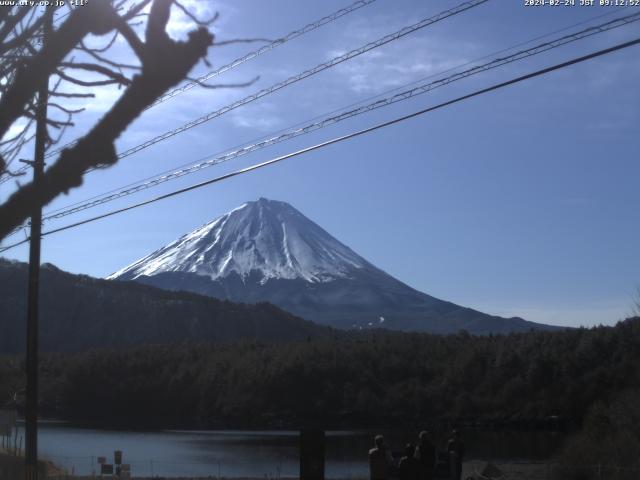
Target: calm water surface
point(232, 453)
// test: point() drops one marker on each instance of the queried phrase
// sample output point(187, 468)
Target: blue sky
point(519, 202)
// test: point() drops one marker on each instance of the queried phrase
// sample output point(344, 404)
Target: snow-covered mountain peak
point(265, 236)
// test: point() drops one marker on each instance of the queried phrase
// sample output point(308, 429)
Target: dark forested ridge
point(78, 312)
point(349, 379)
point(267, 251)
point(359, 301)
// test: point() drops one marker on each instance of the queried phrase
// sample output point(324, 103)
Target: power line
point(318, 68)
point(5, 176)
point(378, 126)
point(396, 89)
point(245, 58)
point(19, 172)
point(307, 73)
point(343, 115)
point(276, 43)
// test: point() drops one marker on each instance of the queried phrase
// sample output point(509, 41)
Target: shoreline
point(532, 425)
point(513, 470)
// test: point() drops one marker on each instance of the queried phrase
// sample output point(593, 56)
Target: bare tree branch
point(71, 95)
point(165, 63)
point(64, 109)
point(100, 58)
point(90, 83)
point(242, 40)
point(216, 86)
point(95, 17)
point(194, 19)
point(130, 36)
point(12, 21)
point(135, 10)
point(106, 47)
point(23, 36)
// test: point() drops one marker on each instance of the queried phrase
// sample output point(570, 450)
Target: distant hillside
point(369, 379)
point(267, 251)
point(79, 312)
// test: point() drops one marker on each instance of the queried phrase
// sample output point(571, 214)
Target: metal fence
point(87, 467)
point(157, 469)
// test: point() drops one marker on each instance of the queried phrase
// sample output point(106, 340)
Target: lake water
point(273, 454)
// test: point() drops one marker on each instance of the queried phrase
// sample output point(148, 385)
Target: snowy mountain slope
point(266, 236)
point(268, 251)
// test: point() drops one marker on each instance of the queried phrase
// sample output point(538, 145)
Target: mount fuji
point(267, 250)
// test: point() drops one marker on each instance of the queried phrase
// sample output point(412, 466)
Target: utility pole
point(31, 407)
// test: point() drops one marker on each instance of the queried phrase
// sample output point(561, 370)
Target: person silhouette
point(455, 448)
point(409, 467)
point(380, 459)
point(426, 454)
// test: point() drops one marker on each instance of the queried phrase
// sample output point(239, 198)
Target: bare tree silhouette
point(27, 62)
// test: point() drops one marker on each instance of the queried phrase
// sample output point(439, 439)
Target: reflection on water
point(234, 453)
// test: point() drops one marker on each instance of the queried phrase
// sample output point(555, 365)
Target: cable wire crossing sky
point(351, 112)
point(519, 202)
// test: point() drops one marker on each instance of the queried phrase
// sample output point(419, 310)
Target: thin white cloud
point(259, 123)
point(261, 117)
point(104, 99)
point(402, 61)
point(375, 73)
point(180, 24)
point(15, 128)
